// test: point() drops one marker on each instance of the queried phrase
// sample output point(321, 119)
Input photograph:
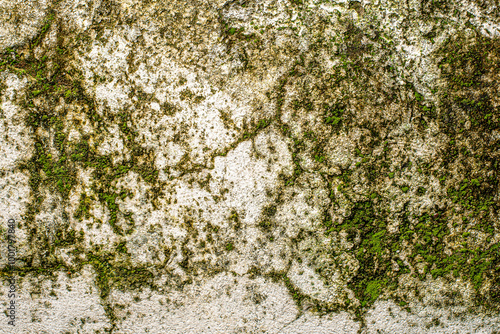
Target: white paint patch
point(58, 304)
point(223, 304)
point(16, 144)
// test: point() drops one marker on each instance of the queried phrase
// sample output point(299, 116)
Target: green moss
point(48, 22)
point(56, 172)
point(65, 238)
point(111, 274)
point(110, 200)
point(122, 248)
point(373, 245)
point(265, 225)
point(372, 291)
point(422, 237)
point(334, 115)
point(471, 196)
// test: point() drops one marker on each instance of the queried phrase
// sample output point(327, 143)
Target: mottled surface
point(251, 166)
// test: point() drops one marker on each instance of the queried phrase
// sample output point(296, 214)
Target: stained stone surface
point(250, 166)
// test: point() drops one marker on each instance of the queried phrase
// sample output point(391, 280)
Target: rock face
point(250, 166)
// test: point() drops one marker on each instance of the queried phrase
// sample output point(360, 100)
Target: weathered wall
point(251, 166)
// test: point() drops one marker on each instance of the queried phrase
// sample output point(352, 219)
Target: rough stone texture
point(251, 166)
